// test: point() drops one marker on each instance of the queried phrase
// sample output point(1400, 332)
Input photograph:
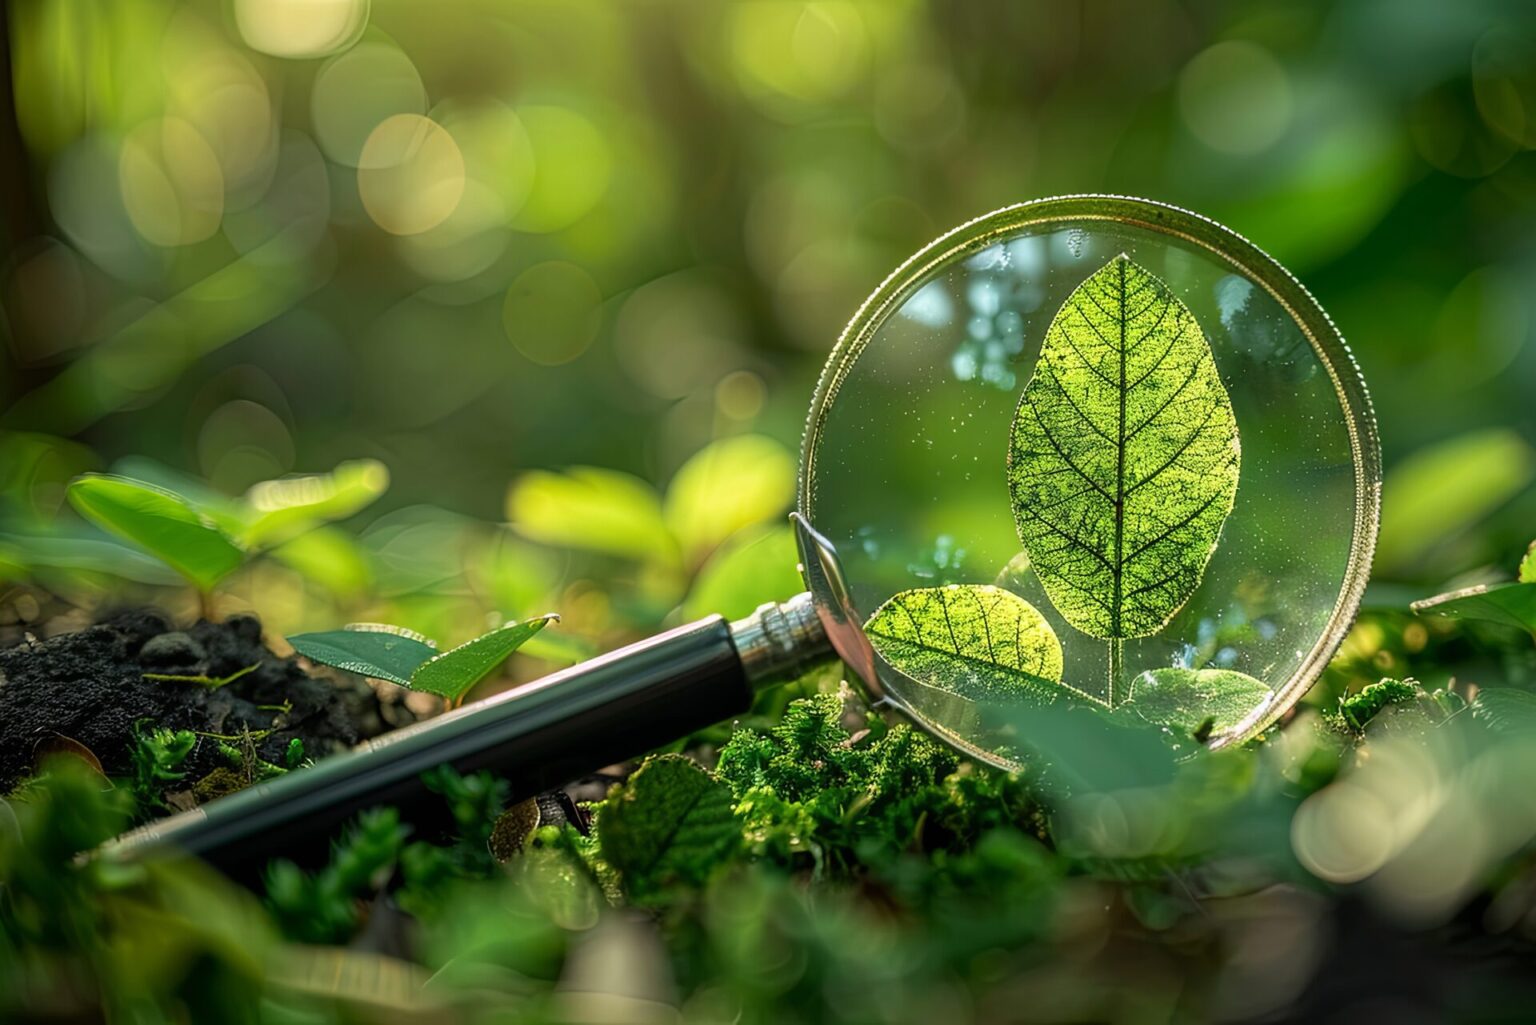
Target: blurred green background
point(474, 239)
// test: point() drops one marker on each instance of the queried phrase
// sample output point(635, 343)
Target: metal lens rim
point(1226, 246)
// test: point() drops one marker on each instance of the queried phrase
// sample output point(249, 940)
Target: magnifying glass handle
point(535, 736)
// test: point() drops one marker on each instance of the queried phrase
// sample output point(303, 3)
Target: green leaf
point(730, 484)
point(1509, 604)
point(283, 508)
point(161, 523)
point(590, 509)
point(1185, 699)
point(1528, 566)
point(975, 640)
point(368, 649)
point(454, 672)
point(1440, 491)
point(756, 565)
point(1124, 457)
point(330, 557)
point(672, 822)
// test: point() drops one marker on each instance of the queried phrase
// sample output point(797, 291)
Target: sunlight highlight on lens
point(410, 174)
point(171, 183)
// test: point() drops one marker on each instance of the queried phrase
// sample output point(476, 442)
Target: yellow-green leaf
point(590, 509)
point(726, 486)
point(161, 523)
point(1528, 566)
point(1124, 457)
point(454, 672)
point(975, 640)
point(283, 508)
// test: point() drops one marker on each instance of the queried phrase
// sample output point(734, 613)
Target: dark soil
point(90, 687)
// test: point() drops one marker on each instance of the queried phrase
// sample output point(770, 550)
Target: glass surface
point(908, 448)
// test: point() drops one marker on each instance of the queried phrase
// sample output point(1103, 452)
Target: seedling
point(203, 680)
point(411, 660)
point(205, 541)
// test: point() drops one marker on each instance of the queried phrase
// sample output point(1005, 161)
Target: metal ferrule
point(780, 641)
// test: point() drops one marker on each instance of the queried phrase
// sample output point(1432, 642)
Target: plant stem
point(1116, 666)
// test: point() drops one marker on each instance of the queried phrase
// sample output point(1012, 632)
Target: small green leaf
point(975, 640)
point(726, 486)
point(330, 557)
point(368, 649)
point(754, 566)
point(1185, 699)
point(672, 822)
point(161, 523)
point(454, 672)
point(591, 509)
point(1124, 457)
point(1528, 566)
point(279, 509)
point(1509, 604)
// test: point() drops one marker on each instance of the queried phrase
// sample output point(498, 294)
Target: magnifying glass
point(1085, 451)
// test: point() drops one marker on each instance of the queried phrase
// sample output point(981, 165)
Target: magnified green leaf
point(1509, 604)
point(369, 649)
point(672, 822)
point(591, 509)
point(1186, 699)
point(728, 485)
point(454, 672)
point(279, 509)
point(975, 640)
point(161, 523)
point(1124, 457)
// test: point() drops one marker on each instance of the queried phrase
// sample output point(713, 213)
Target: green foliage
point(156, 757)
point(1357, 710)
point(410, 660)
point(475, 801)
point(1124, 459)
point(671, 824)
point(1507, 604)
point(454, 672)
point(976, 640)
point(368, 649)
point(731, 484)
point(323, 907)
point(163, 524)
point(1527, 571)
point(1506, 709)
point(276, 511)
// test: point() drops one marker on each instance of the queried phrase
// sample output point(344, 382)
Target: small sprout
point(157, 755)
point(201, 680)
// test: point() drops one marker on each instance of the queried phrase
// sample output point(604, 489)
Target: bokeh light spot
point(357, 90)
point(677, 334)
point(740, 395)
point(410, 175)
point(1235, 98)
point(300, 28)
point(572, 167)
point(552, 312)
point(809, 52)
point(171, 183)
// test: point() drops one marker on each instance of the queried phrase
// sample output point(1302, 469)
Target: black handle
point(536, 736)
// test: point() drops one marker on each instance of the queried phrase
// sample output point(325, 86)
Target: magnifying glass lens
point(1133, 441)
